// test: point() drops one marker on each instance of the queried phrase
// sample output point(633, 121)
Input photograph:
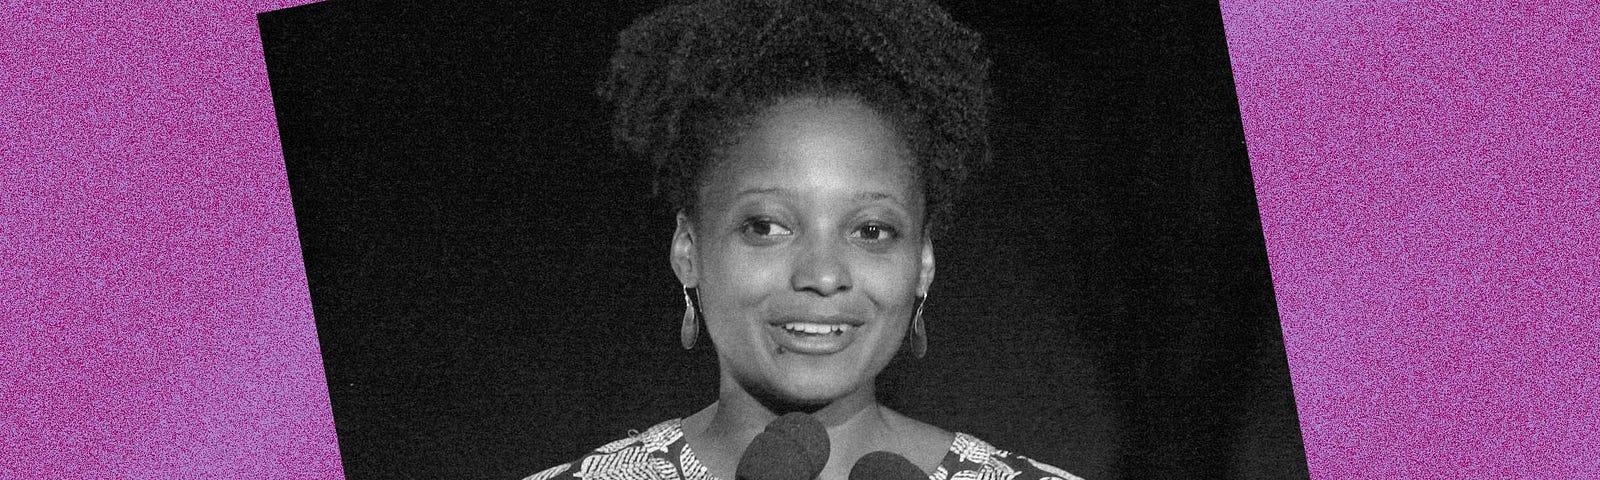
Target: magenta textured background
point(152, 298)
point(1427, 177)
point(1429, 181)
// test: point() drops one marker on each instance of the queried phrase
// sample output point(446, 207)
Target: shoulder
point(974, 459)
point(652, 454)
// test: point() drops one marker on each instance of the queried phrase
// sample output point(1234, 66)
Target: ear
point(925, 276)
point(684, 253)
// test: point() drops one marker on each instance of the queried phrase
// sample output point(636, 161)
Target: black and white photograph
point(782, 240)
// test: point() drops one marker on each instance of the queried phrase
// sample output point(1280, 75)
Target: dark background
point(492, 290)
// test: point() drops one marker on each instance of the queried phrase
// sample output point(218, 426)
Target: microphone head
point(881, 465)
point(793, 447)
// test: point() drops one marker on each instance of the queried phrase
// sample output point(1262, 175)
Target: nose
point(821, 268)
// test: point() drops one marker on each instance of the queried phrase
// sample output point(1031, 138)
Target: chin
point(815, 385)
point(819, 391)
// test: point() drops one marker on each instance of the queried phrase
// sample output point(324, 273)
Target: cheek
point(886, 283)
point(895, 272)
point(739, 278)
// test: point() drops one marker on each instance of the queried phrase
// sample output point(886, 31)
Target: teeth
point(816, 328)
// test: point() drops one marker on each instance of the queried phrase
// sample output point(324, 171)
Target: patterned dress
point(661, 453)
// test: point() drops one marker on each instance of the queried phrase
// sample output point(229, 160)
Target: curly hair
point(687, 76)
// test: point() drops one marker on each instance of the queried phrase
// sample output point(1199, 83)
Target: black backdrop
point(492, 290)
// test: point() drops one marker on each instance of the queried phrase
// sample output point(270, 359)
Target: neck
point(856, 425)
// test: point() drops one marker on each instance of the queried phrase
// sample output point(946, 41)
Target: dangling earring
point(918, 335)
point(691, 328)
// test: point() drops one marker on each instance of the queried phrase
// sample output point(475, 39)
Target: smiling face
point(808, 251)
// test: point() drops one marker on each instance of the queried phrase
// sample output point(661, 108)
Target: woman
point(812, 149)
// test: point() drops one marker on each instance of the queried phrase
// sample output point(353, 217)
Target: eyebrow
point(859, 197)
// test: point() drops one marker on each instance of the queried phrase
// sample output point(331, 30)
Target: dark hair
point(686, 76)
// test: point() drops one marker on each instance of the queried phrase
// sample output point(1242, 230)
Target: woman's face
point(808, 250)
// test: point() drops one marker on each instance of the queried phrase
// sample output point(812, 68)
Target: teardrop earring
point(917, 334)
point(691, 327)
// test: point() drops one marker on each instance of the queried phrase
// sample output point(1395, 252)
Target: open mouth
point(804, 328)
point(811, 338)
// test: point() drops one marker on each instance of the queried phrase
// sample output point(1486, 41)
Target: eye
point(875, 233)
point(762, 227)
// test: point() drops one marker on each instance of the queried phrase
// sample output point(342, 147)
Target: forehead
point(813, 144)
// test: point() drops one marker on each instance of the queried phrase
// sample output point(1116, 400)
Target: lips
point(828, 320)
point(814, 336)
point(817, 328)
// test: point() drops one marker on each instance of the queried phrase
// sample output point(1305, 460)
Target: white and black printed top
point(661, 453)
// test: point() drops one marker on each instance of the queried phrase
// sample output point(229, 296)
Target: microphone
point(881, 465)
point(793, 447)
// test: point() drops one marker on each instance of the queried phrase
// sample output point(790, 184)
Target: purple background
point(1429, 181)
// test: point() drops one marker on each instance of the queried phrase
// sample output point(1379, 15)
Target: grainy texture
point(154, 319)
point(1429, 176)
point(494, 298)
